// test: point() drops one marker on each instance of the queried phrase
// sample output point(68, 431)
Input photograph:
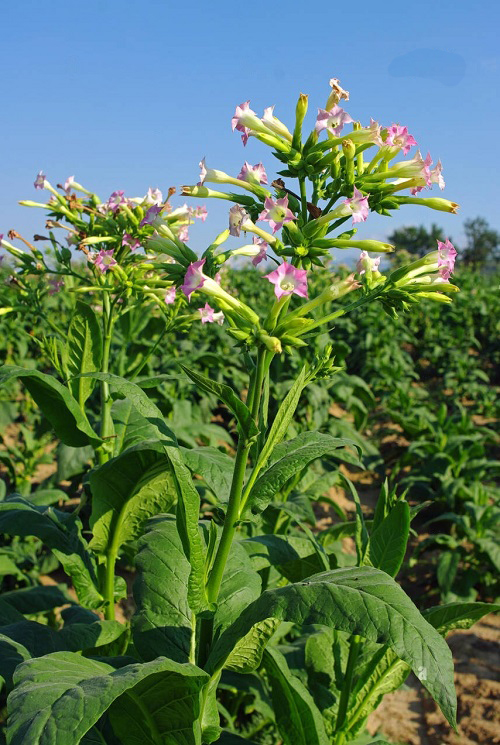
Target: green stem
point(233, 508)
point(303, 199)
point(109, 585)
point(346, 689)
point(106, 400)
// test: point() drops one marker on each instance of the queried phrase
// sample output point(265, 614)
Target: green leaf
point(59, 697)
point(297, 716)
point(446, 618)
point(126, 491)
point(61, 532)
point(131, 428)
point(83, 351)
point(12, 653)
point(57, 404)
point(447, 570)
point(215, 467)
point(293, 556)
point(226, 394)
point(362, 601)
point(387, 543)
point(72, 461)
point(289, 458)
point(37, 599)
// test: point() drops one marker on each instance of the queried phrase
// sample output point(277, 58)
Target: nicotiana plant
point(247, 604)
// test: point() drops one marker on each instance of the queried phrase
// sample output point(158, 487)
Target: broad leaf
point(83, 351)
point(61, 532)
point(446, 618)
point(293, 556)
point(59, 697)
point(57, 404)
point(12, 653)
point(297, 716)
point(226, 394)
point(387, 543)
point(362, 601)
point(215, 467)
point(289, 458)
point(126, 491)
point(131, 428)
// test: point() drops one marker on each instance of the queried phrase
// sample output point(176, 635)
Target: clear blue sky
point(127, 95)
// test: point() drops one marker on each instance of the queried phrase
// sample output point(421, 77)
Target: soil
point(410, 716)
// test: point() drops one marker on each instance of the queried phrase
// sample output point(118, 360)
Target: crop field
point(246, 496)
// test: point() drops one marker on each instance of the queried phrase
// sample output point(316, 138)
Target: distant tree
point(417, 240)
point(482, 243)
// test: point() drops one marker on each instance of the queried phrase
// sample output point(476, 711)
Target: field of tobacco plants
point(243, 503)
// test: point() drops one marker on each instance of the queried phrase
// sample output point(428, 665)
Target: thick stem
point(346, 689)
point(303, 199)
point(109, 585)
point(106, 400)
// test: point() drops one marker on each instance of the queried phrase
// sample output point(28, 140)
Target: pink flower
point(183, 234)
point(399, 137)
point(170, 296)
point(333, 120)
point(203, 171)
point(288, 280)
point(237, 216)
point(277, 213)
point(130, 241)
point(104, 260)
point(436, 175)
point(39, 182)
point(150, 215)
point(194, 278)
point(218, 278)
point(262, 255)
point(153, 197)
point(253, 174)
point(207, 314)
point(200, 212)
point(446, 258)
point(358, 204)
point(241, 113)
point(366, 262)
point(68, 184)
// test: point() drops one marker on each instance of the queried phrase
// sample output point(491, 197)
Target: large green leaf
point(57, 404)
point(164, 622)
point(362, 601)
point(60, 696)
point(297, 716)
point(126, 491)
point(294, 556)
point(83, 350)
point(387, 543)
point(131, 428)
point(215, 467)
point(60, 531)
point(289, 458)
point(446, 618)
point(226, 394)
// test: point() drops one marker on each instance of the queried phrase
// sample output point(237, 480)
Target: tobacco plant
point(248, 603)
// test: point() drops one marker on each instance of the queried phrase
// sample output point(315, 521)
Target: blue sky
point(127, 95)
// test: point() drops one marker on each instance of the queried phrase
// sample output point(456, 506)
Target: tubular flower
point(245, 120)
point(398, 136)
point(39, 182)
point(237, 218)
point(288, 280)
point(68, 184)
point(275, 125)
point(194, 278)
point(337, 93)
point(253, 174)
point(277, 213)
point(212, 175)
point(358, 204)
point(151, 215)
point(263, 246)
point(207, 314)
point(170, 296)
point(332, 120)
point(130, 241)
point(183, 233)
point(116, 200)
point(153, 197)
point(446, 258)
point(104, 260)
point(366, 263)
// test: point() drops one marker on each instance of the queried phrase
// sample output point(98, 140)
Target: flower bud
point(435, 203)
point(300, 113)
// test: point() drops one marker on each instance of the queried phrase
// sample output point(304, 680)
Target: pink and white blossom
point(68, 184)
point(207, 314)
point(153, 197)
point(104, 260)
point(398, 136)
point(130, 241)
point(275, 125)
point(253, 174)
point(183, 233)
point(263, 246)
point(116, 200)
point(237, 218)
point(276, 213)
point(366, 263)
point(170, 295)
point(199, 212)
point(244, 120)
point(332, 120)
point(358, 204)
point(446, 258)
point(151, 215)
point(39, 182)
point(194, 278)
point(288, 280)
